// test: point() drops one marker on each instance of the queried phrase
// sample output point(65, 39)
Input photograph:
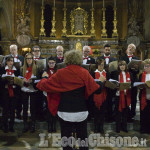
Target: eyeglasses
point(51, 63)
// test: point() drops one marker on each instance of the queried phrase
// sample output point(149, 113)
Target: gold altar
point(73, 24)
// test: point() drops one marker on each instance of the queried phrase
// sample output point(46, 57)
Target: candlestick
point(114, 3)
point(42, 3)
point(103, 4)
point(64, 3)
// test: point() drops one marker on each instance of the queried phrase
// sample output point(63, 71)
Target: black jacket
point(75, 101)
point(110, 58)
point(126, 59)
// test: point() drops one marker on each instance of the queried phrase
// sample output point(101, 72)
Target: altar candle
point(92, 3)
point(54, 3)
point(64, 3)
point(103, 4)
point(114, 3)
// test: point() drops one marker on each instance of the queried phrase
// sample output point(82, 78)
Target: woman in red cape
point(75, 85)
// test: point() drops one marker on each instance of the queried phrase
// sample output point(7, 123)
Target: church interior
point(73, 24)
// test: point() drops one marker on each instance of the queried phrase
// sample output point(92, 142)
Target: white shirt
point(85, 60)
point(130, 58)
point(106, 59)
point(147, 89)
point(73, 117)
point(17, 60)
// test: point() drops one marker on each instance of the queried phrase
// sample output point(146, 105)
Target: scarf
point(10, 87)
point(67, 79)
point(28, 73)
point(100, 98)
point(143, 99)
point(122, 103)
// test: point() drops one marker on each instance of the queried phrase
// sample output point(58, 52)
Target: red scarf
point(28, 73)
point(143, 99)
point(100, 98)
point(122, 103)
point(67, 79)
point(53, 99)
point(10, 87)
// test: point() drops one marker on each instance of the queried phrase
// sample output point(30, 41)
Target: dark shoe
point(25, 129)
point(11, 129)
point(18, 117)
point(32, 127)
point(101, 130)
point(5, 130)
point(125, 130)
point(49, 128)
point(117, 131)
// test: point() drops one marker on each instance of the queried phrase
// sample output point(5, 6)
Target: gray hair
point(59, 47)
point(13, 45)
point(133, 45)
point(73, 57)
point(86, 47)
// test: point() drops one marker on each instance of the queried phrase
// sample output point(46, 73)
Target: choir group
point(53, 93)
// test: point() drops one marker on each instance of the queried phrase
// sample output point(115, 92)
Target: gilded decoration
point(79, 20)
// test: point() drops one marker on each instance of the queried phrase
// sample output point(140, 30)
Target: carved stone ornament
point(79, 21)
point(134, 39)
point(23, 40)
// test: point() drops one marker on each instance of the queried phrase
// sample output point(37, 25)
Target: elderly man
point(134, 71)
point(129, 53)
point(75, 85)
point(86, 58)
point(60, 55)
point(20, 60)
point(14, 54)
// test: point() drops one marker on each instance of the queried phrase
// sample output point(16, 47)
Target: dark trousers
point(9, 104)
point(19, 103)
point(99, 117)
point(48, 116)
point(145, 118)
point(121, 117)
point(109, 105)
point(25, 102)
point(80, 128)
point(39, 105)
point(132, 112)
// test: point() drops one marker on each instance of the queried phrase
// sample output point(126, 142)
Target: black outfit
point(74, 101)
point(120, 117)
point(110, 58)
point(132, 111)
point(39, 102)
point(144, 114)
point(51, 120)
point(91, 61)
point(25, 100)
point(110, 104)
point(9, 103)
point(99, 114)
point(59, 60)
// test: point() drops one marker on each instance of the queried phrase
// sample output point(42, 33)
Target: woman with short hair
point(75, 84)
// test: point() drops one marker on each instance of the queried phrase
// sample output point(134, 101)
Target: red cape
point(67, 79)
